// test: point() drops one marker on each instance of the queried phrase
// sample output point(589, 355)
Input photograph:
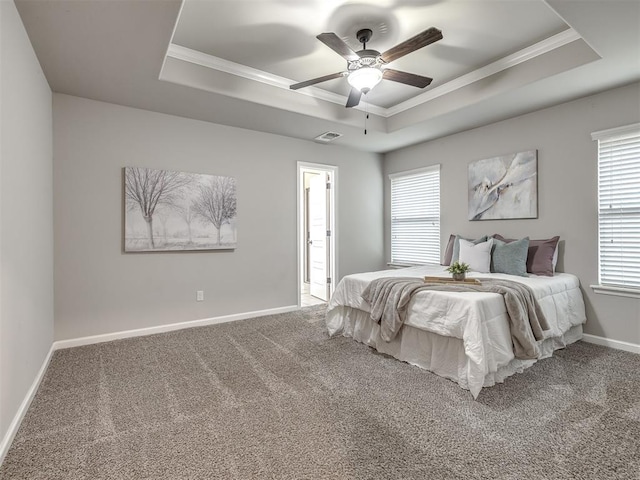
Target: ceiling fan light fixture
point(366, 67)
point(365, 78)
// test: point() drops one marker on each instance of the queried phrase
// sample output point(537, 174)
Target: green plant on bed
point(458, 270)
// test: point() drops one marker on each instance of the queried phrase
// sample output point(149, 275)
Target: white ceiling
point(232, 61)
point(259, 37)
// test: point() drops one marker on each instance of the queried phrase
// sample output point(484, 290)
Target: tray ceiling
point(232, 61)
point(278, 38)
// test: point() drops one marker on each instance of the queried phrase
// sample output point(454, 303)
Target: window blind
point(415, 216)
point(619, 206)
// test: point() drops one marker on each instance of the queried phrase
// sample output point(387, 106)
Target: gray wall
point(26, 217)
point(99, 289)
point(567, 189)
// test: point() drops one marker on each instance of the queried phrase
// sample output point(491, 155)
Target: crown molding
point(205, 60)
point(547, 45)
point(528, 53)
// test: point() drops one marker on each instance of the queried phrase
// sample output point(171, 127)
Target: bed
point(462, 336)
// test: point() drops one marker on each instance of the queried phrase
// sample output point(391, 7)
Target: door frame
point(332, 170)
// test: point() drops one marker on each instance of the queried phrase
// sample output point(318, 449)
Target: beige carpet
point(274, 398)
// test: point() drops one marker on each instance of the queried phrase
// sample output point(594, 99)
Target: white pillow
point(478, 257)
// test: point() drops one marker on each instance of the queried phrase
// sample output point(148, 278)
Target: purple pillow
point(540, 255)
point(448, 252)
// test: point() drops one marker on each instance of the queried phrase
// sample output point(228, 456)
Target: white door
point(318, 232)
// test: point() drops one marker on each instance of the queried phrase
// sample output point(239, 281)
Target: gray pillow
point(456, 246)
point(542, 255)
point(510, 258)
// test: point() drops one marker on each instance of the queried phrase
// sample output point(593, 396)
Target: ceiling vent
point(327, 137)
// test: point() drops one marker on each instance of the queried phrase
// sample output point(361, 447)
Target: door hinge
point(328, 185)
point(328, 233)
point(328, 280)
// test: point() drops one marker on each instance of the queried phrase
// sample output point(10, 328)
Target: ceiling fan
point(366, 68)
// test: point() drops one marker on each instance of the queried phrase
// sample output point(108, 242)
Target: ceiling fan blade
point(414, 43)
point(354, 98)
point(334, 42)
point(406, 78)
point(313, 81)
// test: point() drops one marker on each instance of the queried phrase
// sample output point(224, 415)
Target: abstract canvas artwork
point(166, 210)
point(504, 187)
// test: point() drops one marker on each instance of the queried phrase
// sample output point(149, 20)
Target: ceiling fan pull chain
point(366, 117)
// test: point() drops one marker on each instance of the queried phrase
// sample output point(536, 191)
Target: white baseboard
point(24, 406)
point(607, 342)
point(107, 337)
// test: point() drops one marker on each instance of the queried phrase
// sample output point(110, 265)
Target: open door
point(317, 254)
point(319, 235)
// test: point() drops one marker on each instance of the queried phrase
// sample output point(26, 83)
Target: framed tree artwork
point(504, 187)
point(167, 211)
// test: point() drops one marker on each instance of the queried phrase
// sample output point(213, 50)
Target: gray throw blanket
point(389, 298)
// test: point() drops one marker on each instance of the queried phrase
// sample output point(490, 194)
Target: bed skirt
point(444, 356)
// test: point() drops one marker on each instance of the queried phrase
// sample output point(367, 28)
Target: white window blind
point(415, 216)
point(619, 206)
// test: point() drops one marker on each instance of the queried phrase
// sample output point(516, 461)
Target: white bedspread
point(478, 319)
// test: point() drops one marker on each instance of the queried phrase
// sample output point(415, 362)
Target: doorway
point(316, 233)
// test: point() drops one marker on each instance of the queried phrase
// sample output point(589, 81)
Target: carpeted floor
point(274, 398)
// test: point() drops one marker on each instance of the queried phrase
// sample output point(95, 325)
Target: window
point(619, 209)
point(415, 216)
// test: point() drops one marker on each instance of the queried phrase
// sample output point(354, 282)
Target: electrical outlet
point(199, 296)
